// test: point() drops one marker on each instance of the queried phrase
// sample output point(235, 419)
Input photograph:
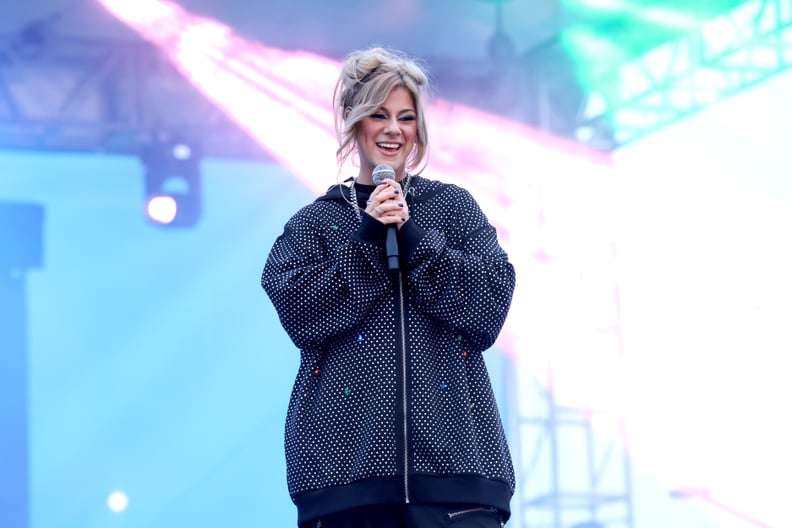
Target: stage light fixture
point(172, 183)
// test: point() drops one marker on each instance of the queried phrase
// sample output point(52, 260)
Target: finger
point(395, 211)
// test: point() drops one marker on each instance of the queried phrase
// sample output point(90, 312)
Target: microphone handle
point(392, 248)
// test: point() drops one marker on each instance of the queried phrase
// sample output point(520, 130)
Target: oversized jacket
point(392, 401)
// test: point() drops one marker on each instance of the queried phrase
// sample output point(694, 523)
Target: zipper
point(404, 390)
point(471, 510)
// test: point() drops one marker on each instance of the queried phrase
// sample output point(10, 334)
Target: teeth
point(389, 145)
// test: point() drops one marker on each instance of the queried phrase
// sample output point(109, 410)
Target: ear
point(346, 112)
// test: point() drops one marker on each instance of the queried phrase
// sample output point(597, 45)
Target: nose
point(392, 126)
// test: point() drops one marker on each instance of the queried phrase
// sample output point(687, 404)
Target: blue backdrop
point(156, 365)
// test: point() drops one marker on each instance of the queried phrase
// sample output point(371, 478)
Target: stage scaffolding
point(64, 94)
point(566, 398)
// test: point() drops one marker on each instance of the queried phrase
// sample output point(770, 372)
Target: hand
point(387, 204)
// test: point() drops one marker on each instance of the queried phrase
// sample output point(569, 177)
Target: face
point(388, 135)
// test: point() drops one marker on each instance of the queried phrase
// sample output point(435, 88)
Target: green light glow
point(672, 18)
point(596, 54)
point(729, 53)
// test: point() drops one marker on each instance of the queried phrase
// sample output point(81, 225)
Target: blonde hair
point(367, 79)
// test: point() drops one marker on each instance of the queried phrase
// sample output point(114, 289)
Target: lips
point(389, 146)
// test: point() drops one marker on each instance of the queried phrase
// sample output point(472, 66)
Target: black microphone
point(381, 173)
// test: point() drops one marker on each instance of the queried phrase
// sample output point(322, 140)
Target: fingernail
point(401, 205)
point(395, 191)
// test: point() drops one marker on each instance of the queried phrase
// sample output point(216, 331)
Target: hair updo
point(367, 79)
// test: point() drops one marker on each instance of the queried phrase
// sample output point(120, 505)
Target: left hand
point(387, 204)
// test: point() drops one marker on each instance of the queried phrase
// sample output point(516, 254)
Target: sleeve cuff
point(410, 235)
point(370, 231)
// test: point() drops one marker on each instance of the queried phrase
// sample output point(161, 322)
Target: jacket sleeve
point(459, 274)
point(319, 288)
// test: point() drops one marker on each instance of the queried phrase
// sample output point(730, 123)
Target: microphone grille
point(383, 172)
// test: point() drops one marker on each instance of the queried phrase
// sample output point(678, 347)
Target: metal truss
point(114, 97)
point(572, 461)
point(728, 54)
point(573, 473)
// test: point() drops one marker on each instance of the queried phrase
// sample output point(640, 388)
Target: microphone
point(379, 174)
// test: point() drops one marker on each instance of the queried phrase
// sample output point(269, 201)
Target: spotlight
point(181, 151)
point(118, 501)
point(161, 209)
point(173, 183)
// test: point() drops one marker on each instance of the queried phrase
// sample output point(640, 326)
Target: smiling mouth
point(389, 146)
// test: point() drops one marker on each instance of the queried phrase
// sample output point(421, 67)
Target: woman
point(392, 420)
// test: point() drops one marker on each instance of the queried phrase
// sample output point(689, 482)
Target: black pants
point(413, 516)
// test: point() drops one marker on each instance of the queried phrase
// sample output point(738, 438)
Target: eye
point(378, 115)
point(407, 118)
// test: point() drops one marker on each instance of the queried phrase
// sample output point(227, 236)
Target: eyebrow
point(383, 109)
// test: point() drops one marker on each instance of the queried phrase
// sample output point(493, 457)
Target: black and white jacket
point(392, 401)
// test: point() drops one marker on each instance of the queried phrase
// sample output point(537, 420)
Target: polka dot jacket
point(392, 401)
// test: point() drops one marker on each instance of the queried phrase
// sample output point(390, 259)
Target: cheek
point(412, 134)
point(365, 132)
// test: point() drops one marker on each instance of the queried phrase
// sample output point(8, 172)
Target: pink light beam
point(283, 99)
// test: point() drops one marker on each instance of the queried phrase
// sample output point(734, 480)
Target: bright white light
point(584, 133)
point(162, 209)
point(142, 11)
point(596, 105)
point(117, 501)
point(705, 264)
point(181, 151)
